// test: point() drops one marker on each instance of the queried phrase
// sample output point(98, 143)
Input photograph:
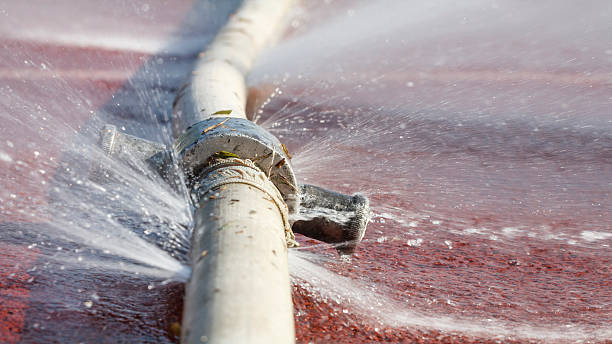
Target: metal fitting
point(243, 139)
point(139, 154)
point(332, 217)
point(210, 153)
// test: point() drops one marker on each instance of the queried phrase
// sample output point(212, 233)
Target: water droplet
point(88, 304)
point(414, 242)
point(5, 157)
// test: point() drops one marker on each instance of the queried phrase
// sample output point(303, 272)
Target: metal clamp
point(245, 140)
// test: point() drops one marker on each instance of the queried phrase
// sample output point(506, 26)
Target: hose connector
point(242, 139)
point(236, 145)
point(221, 171)
point(332, 217)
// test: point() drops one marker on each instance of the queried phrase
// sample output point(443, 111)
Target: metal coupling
point(243, 139)
point(218, 150)
point(332, 217)
point(139, 154)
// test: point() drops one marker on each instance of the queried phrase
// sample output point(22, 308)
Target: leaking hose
point(244, 194)
point(239, 291)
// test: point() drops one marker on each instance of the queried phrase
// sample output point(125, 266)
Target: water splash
point(136, 222)
point(371, 302)
point(485, 157)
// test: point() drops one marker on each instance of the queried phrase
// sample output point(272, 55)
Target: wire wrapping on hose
point(223, 171)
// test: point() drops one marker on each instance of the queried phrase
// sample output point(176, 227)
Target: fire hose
point(244, 195)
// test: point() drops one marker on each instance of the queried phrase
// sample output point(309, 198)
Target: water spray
point(245, 197)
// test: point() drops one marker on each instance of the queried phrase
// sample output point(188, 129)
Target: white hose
point(217, 86)
point(239, 291)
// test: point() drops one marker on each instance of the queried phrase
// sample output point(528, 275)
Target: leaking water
point(480, 130)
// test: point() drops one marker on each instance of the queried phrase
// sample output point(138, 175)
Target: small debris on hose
point(175, 329)
point(286, 151)
point(280, 163)
point(224, 155)
point(218, 124)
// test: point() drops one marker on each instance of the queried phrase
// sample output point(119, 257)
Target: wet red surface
point(481, 233)
point(554, 284)
point(52, 89)
point(462, 238)
point(317, 322)
point(488, 174)
point(15, 282)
